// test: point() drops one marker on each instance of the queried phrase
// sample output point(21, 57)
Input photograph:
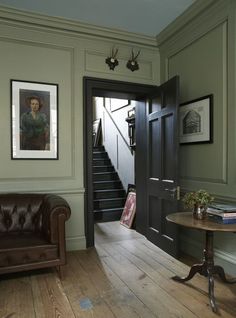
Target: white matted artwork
point(34, 120)
point(195, 121)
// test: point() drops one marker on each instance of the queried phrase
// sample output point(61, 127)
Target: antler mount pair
point(132, 63)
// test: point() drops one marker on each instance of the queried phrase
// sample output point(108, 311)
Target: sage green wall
point(202, 52)
point(35, 48)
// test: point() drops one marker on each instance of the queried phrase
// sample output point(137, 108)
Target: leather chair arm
point(55, 211)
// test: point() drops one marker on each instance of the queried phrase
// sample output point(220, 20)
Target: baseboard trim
point(75, 243)
point(222, 258)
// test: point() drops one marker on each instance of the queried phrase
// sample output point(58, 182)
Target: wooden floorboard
point(49, 298)
point(16, 297)
point(123, 276)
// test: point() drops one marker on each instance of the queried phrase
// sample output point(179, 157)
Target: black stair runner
point(109, 195)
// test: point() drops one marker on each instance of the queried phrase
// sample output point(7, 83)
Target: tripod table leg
point(197, 268)
point(220, 271)
point(211, 291)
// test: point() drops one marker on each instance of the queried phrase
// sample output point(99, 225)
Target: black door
point(157, 182)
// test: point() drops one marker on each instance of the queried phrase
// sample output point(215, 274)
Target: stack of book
point(222, 213)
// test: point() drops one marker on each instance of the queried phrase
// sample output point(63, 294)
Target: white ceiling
point(148, 17)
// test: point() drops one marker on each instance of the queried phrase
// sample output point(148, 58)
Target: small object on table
point(198, 202)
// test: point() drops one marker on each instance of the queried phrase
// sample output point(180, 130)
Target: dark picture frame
point(129, 211)
point(34, 120)
point(196, 121)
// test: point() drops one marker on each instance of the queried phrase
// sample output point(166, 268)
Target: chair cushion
point(25, 249)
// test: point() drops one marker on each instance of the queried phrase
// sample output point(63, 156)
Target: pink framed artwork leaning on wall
point(128, 214)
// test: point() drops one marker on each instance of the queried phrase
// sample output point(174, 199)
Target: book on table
point(223, 207)
point(221, 213)
point(221, 219)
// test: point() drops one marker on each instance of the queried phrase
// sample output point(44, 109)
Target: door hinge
point(178, 193)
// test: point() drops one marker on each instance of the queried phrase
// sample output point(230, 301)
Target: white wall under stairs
point(120, 154)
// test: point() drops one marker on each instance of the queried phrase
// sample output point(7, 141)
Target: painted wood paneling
point(36, 48)
point(201, 49)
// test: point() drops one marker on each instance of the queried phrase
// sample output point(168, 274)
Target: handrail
point(118, 129)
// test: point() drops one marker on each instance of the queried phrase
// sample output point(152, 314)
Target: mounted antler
point(114, 53)
point(134, 58)
point(132, 64)
point(112, 61)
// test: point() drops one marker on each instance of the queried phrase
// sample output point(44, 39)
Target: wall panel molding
point(202, 15)
point(52, 186)
point(62, 48)
point(95, 62)
point(13, 39)
point(65, 191)
point(222, 29)
point(205, 179)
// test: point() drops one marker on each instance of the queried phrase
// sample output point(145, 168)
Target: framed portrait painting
point(195, 121)
point(129, 211)
point(34, 120)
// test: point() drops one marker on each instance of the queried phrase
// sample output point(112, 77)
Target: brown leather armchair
point(32, 231)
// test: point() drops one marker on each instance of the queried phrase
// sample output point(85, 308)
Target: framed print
point(34, 120)
point(128, 214)
point(195, 121)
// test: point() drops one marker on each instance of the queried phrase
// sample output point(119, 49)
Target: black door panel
point(159, 140)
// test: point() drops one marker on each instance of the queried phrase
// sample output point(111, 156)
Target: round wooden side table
point(207, 268)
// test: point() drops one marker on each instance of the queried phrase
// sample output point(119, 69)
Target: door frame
point(102, 88)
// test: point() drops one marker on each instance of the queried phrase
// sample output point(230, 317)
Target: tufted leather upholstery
point(32, 231)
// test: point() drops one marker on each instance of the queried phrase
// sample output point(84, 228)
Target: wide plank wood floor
point(124, 276)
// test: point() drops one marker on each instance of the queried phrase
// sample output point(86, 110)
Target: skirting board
point(195, 249)
point(75, 243)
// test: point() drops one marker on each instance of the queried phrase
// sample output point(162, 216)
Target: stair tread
point(102, 181)
point(109, 190)
point(103, 169)
point(105, 172)
point(109, 199)
point(108, 210)
point(95, 166)
point(101, 161)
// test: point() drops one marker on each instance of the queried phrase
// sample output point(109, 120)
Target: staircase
point(109, 195)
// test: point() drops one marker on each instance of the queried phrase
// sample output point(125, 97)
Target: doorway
point(102, 88)
point(156, 160)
